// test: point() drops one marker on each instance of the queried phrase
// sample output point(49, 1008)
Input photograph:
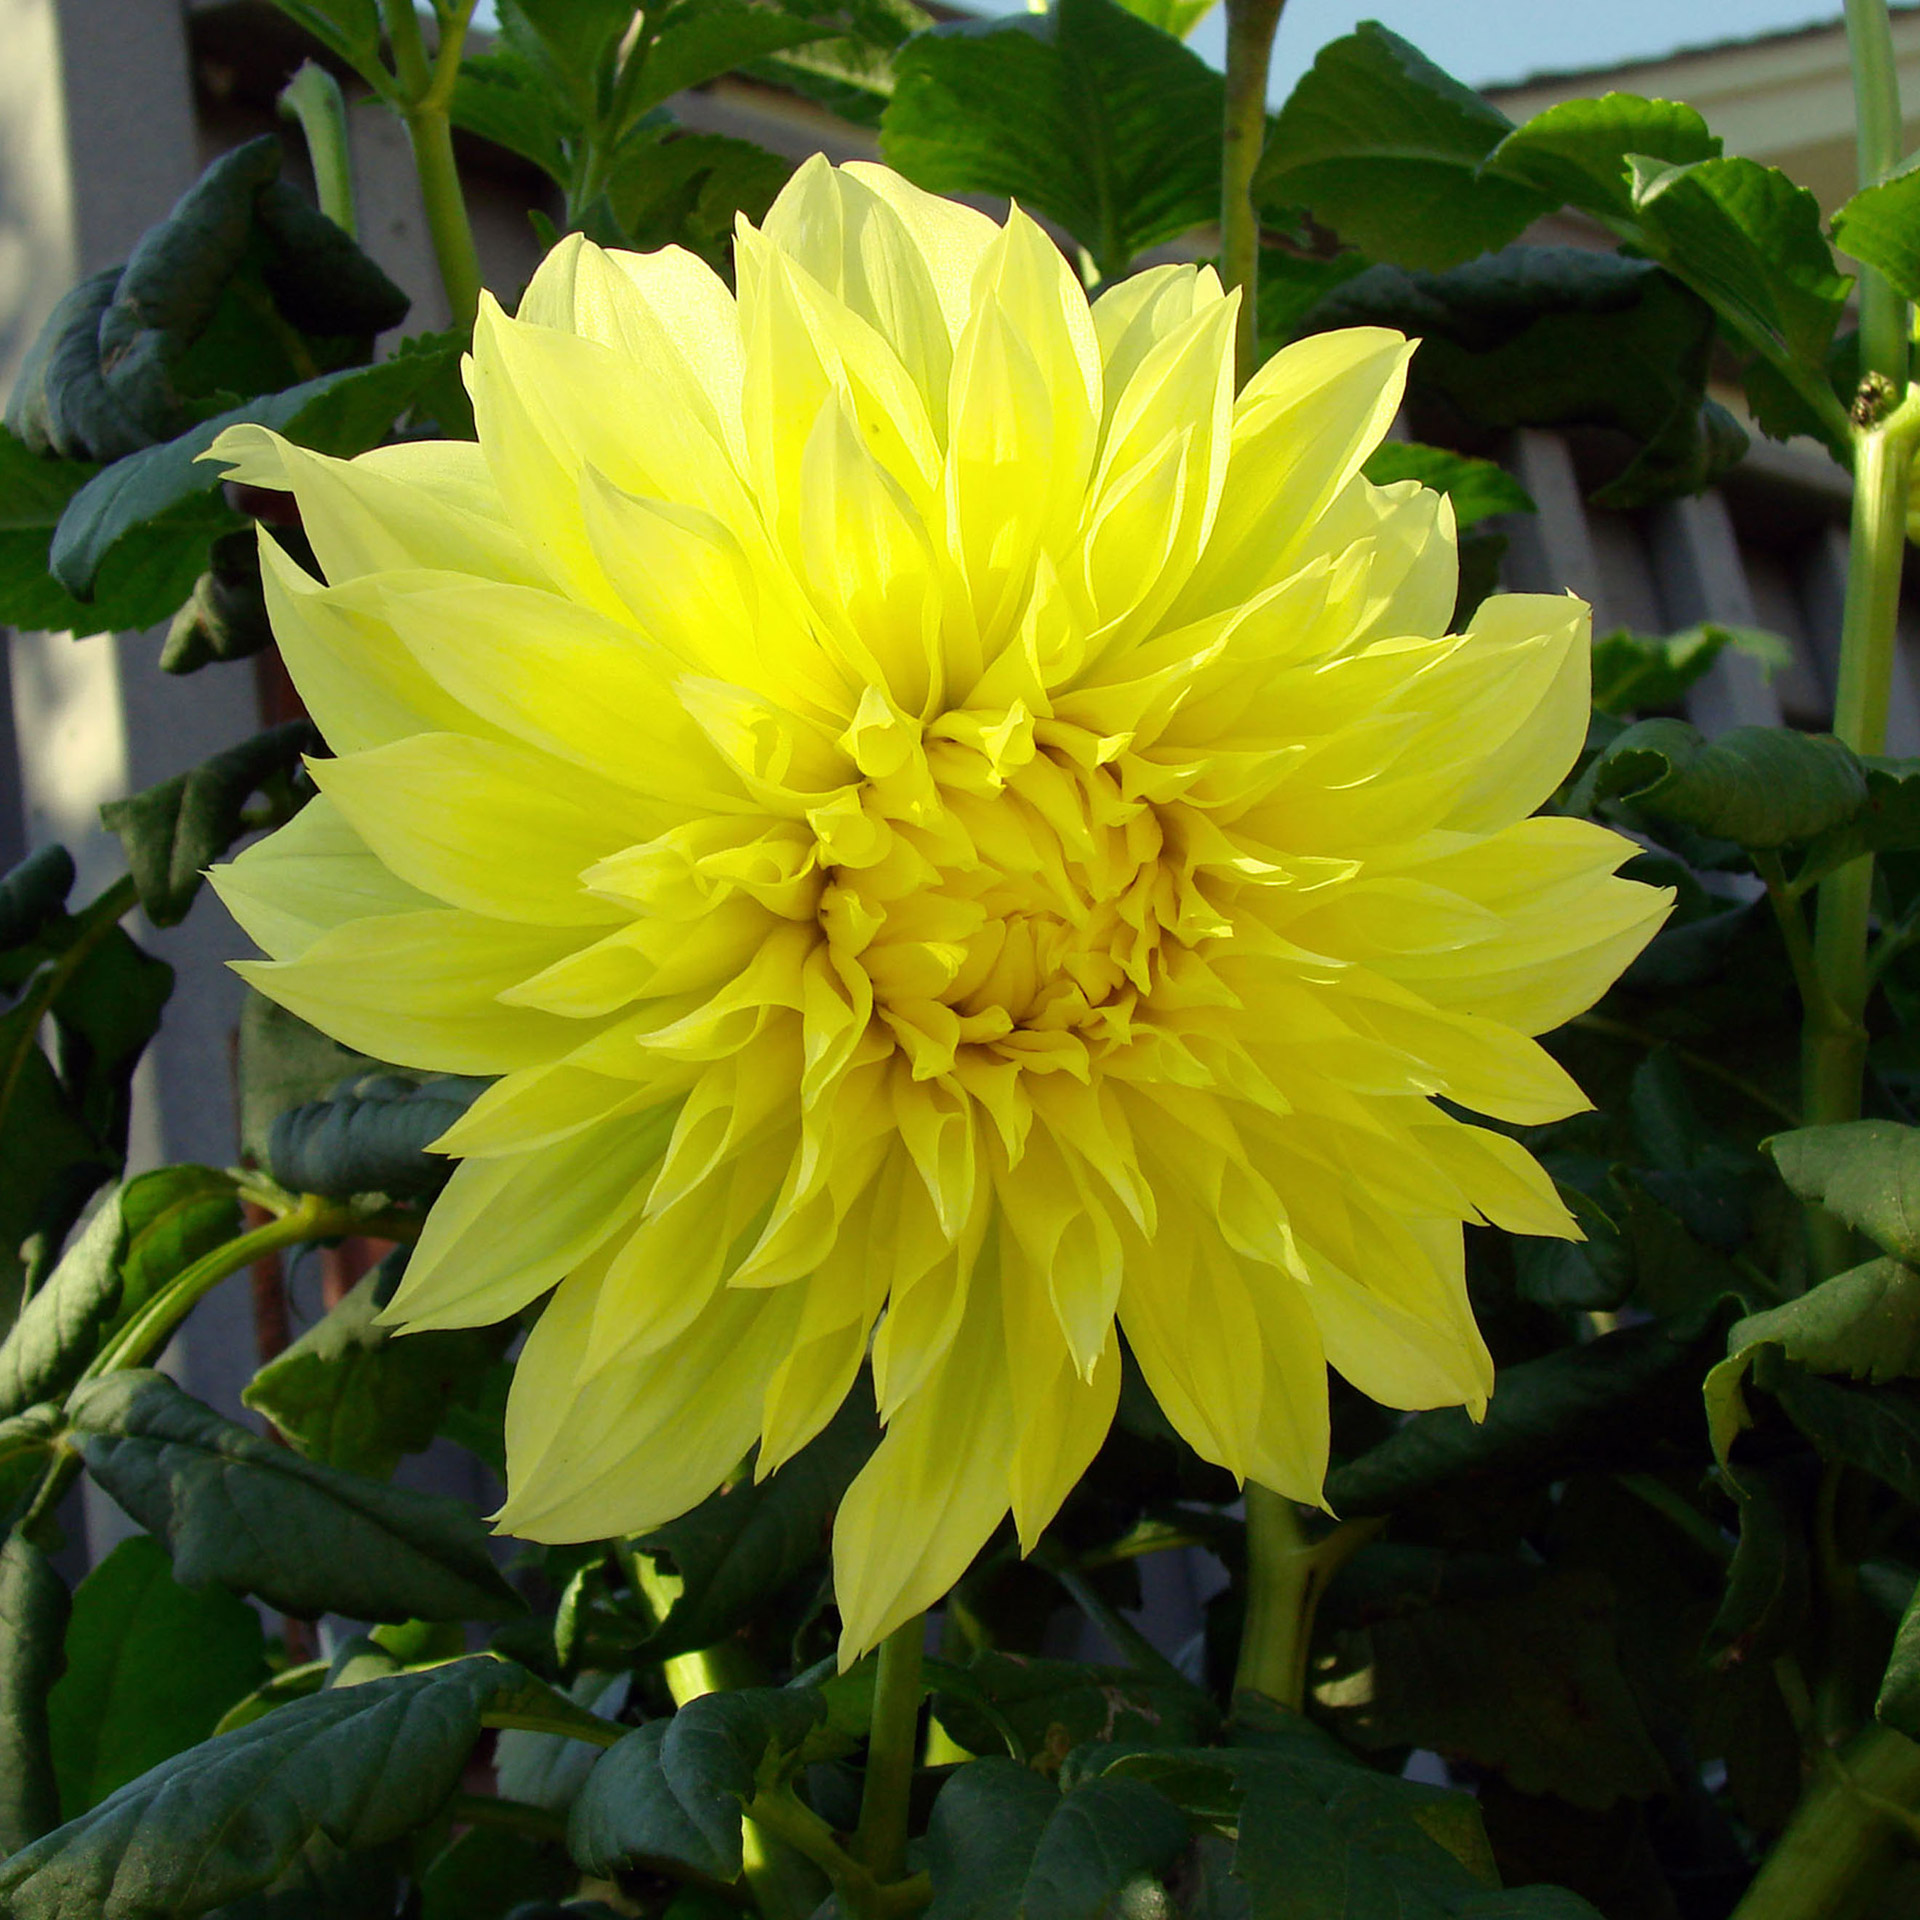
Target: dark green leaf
point(27, 1441)
point(1643, 673)
point(151, 1667)
point(1577, 152)
point(1052, 1706)
point(225, 616)
point(339, 413)
point(349, 1394)
point(284, 1063)
point(259, 1519)
point(549, 1769)
point(687, 189)
point(498, 99)
point(488, 1872)
point(1763, 787)
point(350, 27)
point(359, 1767)
point(173, 832)
point(371, 1136)
point(1864, 1323)
point(1899, 1703)
point(33, 1618)
point(627, 1812)
point(1876, 1429)
point(1003, 1843)
point(1880, 226)
point(1084, 114)
point(985, 1824)
point(1866, 1171)
point(1558, 337)
point(34, 893)
point(674, 1790)
point(695, 44)
point(138, 1238)
point(149, 573)
point(1477, 488)
point(1386, 149)
point(35, 487)
point(1888, 823)
point(1748, 240)
point(1571, 1409)
point(1528, 1683)
point(753, 1539)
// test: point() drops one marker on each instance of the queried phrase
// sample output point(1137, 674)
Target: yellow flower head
point(954, 833)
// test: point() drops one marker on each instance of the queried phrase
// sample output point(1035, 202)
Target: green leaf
point(350, 27)
point(33, 1618)
point(1085, 114)
point(1880, 227)
point(1864, 1323)
point(1052, 1706)
point(498, 99)
point(1866, 1171)
point(284, 1063)
point(1177, 17)
point(1477, 488)
point(695, 44)
point(151, 1667)
point(1560, 337)
point(674, 1790)
point(1528, 1683)
point(170, 486)
point(1002, 1843)
point(1386, 149)
point(1899, 1703)
point(752, 1540)
point(371, 1136)
point(1876, 1429)
point(173, 832)
point(256, 1518)
point(687, 189)
point(1749, 242)
point(1577, 152)
point(1640, 673)
point(27, 1441)
point(1569, 1410)
point(1888, 823)
point(225, 616)
point(34, 893)
point(488, 1873)
point(1763, 787)
point(349, 1394)
point(35, 487)
point(357, 1766)
point(549, 1769)
point(138, 1238)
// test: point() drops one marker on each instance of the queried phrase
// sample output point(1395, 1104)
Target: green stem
point(1834, 1049)
point(142, 1338)
point(1251, 25)
point(426, 95)
point(1847, 1836)
point(1286, 1575)
point(313, 98)
point(892, 1745)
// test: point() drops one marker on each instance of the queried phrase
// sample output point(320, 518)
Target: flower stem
point(1286, 1575)
point(1847, 1836)
point(313, 98)
point(892, 1744)
point(1834, 1051)
point(1251, 25)
point(426, 96)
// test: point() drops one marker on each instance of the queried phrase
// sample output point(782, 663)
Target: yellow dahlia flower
point(956, 834)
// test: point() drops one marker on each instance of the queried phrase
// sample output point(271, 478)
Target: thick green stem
point(1847, 1836)
point(1286, 1575)
point(313, 98)
point(1251, 25)
point(426, 95)
point(892, 1745)
point(1833, 1056)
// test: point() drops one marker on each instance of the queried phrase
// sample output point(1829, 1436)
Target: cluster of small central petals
point(958, 841)
point(1019, 901)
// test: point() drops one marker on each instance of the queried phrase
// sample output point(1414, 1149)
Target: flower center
point(1000, 888)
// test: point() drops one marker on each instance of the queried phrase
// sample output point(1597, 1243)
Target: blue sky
point(1484, 41)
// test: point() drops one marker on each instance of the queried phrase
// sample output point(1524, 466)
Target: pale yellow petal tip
point(254, 456)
